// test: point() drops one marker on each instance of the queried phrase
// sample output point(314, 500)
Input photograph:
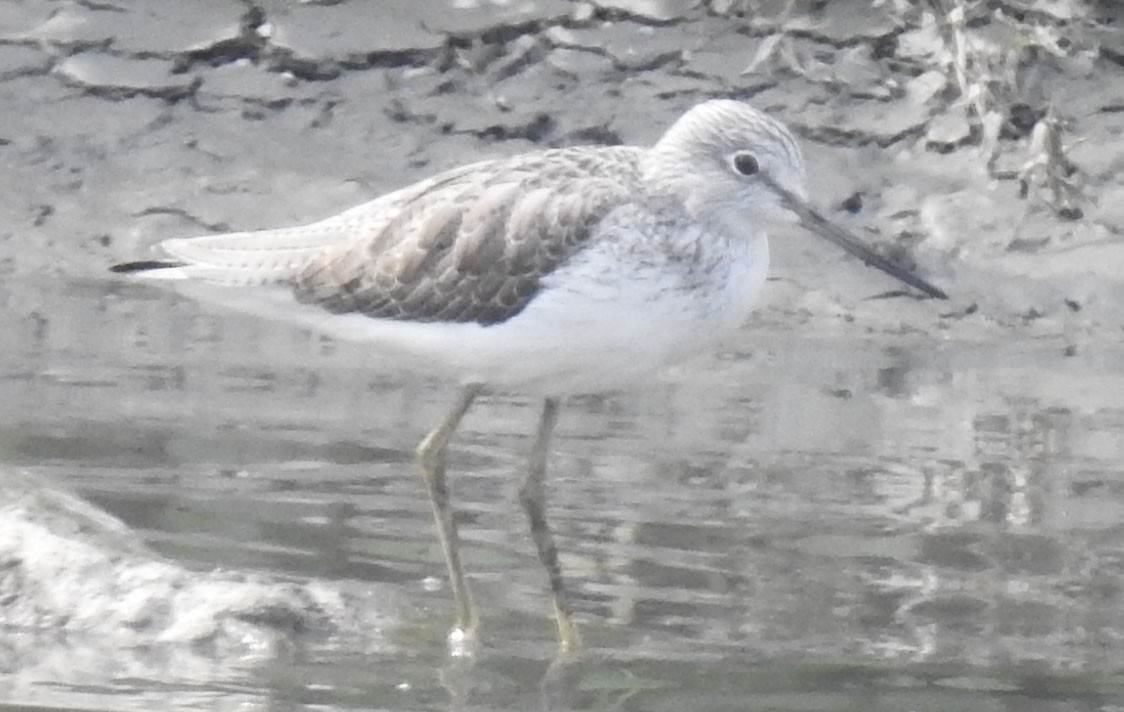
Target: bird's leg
point(532, 497)
point(431, 459)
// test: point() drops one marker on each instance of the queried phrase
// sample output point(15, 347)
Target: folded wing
point(472, 251)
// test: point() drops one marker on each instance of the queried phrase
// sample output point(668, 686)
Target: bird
point(553, 273)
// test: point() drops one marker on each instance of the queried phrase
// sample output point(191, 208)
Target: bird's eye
point(745, 164)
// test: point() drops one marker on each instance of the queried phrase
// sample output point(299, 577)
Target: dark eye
point(745, 164)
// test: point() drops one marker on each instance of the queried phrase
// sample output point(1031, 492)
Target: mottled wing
point(277, 256)
point(474, 247)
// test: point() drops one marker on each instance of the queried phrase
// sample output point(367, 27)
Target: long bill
point(813, 221)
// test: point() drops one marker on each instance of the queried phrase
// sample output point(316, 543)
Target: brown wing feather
point(474, 250)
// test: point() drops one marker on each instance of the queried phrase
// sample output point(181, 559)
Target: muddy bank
point(972, 145)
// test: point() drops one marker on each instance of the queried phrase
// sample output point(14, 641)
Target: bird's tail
point(236, 259)
point(145, 266)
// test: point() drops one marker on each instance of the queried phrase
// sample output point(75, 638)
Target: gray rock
point(324, 34)
point(650, 10)
point(153, 27)
point(66, 565)
point(124, 76)
point(20, 60)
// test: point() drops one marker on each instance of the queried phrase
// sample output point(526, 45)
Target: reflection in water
point(821, 513)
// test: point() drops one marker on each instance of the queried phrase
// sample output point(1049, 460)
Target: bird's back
point(468, 245)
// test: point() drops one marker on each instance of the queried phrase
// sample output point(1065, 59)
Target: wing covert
point(472, 250)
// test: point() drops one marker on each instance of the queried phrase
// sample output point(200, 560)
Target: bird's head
point(723, 159)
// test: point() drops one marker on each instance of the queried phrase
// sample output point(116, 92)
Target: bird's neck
point(664, 179)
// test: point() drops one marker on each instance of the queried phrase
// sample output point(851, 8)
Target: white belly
point(599, 326)
point(602, 321)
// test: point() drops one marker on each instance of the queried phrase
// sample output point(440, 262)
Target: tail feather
point(240, 259)
point(144, 266)
point(261, 257)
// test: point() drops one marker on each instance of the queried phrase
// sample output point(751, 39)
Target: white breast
point(614, 314)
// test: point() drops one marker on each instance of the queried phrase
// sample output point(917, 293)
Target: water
point(818, 519)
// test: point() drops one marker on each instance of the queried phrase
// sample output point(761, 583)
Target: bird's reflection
point(559, 688)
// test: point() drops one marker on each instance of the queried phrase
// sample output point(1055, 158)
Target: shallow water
point(808, 521)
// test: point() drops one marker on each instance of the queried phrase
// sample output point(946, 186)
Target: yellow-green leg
point(431, 458)
point(532, 497)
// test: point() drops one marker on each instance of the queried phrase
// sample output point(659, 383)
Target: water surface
point(817, 520)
